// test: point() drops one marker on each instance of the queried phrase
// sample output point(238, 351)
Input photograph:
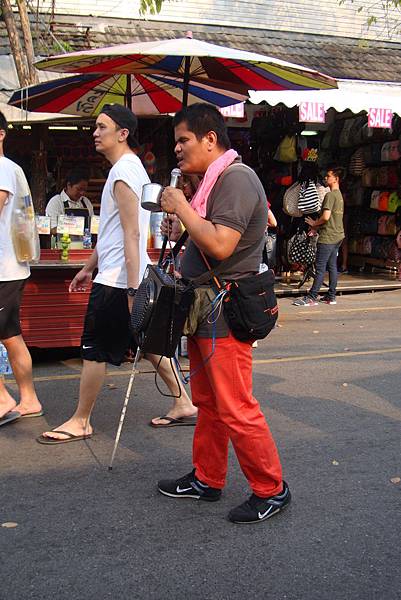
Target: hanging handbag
point(290, 201)
point(308, 201)
point(302, 250)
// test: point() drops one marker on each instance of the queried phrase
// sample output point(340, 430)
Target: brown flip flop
point(32, 415)
point(42, 439)
point(181, 421)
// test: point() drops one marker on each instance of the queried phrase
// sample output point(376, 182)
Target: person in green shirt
point(331, 234)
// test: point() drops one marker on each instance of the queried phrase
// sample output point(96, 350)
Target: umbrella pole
point(128, 93)
point(187, 65)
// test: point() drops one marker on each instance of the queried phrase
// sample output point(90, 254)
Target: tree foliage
point(389, 11)
point(151, 6)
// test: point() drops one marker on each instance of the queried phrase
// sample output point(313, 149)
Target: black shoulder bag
point(250, 303)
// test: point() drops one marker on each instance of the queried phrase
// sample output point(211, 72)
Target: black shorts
point(10, 300)
point(106, 336)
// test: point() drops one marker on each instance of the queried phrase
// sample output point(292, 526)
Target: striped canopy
point(85, 95)
point(192, 59)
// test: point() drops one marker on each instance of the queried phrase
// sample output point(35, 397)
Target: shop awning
point(352, 94)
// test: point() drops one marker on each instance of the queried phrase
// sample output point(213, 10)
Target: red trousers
point(227, 410)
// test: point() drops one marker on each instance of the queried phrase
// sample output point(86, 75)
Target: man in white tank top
point(121, 258)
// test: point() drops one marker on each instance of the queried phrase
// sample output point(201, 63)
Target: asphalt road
point(328, 379)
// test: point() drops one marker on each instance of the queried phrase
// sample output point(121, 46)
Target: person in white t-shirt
point(71, 196)
point(13, 275)
point(121, 258)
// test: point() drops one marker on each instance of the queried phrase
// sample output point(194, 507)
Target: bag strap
point(228, 262)
point(172, 252)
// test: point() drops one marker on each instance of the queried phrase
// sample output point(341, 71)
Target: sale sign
point(312, 112)
point(380, 117)
point(235, 111)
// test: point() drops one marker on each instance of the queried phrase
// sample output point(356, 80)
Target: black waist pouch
point(250, 306)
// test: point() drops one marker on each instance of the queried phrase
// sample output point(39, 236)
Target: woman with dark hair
point(71, 196)
point(308, 177)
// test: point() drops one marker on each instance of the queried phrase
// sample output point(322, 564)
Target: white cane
point(124, 408)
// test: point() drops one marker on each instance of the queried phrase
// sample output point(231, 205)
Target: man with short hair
point(13, 275)
point(227, 215)
point(331, 234)
point(121, 258)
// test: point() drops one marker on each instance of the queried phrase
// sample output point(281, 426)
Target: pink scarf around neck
point(214, 170)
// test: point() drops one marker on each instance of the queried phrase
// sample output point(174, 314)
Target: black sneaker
point(188, 487)
point(327, 299)
point(258, 509)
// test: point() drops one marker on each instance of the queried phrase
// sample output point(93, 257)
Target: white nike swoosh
point(2, 308)
point(86, 347)
point(180, 491)
point(263, 515)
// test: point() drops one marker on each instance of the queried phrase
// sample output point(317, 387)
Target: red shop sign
point(380, 117)
point(312, 112)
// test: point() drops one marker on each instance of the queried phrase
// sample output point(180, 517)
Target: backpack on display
point(356, 195)
point(383, 201)
point(369, 177)
point(344, 140)
point(366, 245)
point(357, 163)
point(356, 130)
point(394, 202)
point(390, 151)
point(374, 199)
point(386, 225)
point(287, 150)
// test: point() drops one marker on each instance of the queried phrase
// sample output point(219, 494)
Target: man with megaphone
point(226, 218)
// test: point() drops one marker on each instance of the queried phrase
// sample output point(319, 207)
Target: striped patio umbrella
point(85, 95)
point(192, 59)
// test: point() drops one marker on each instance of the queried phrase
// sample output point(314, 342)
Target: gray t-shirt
point(238, 201)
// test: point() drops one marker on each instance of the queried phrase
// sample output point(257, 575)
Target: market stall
point(357, 127)
point(51, 316)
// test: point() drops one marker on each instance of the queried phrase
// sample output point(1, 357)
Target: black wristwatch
point(131, 292)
